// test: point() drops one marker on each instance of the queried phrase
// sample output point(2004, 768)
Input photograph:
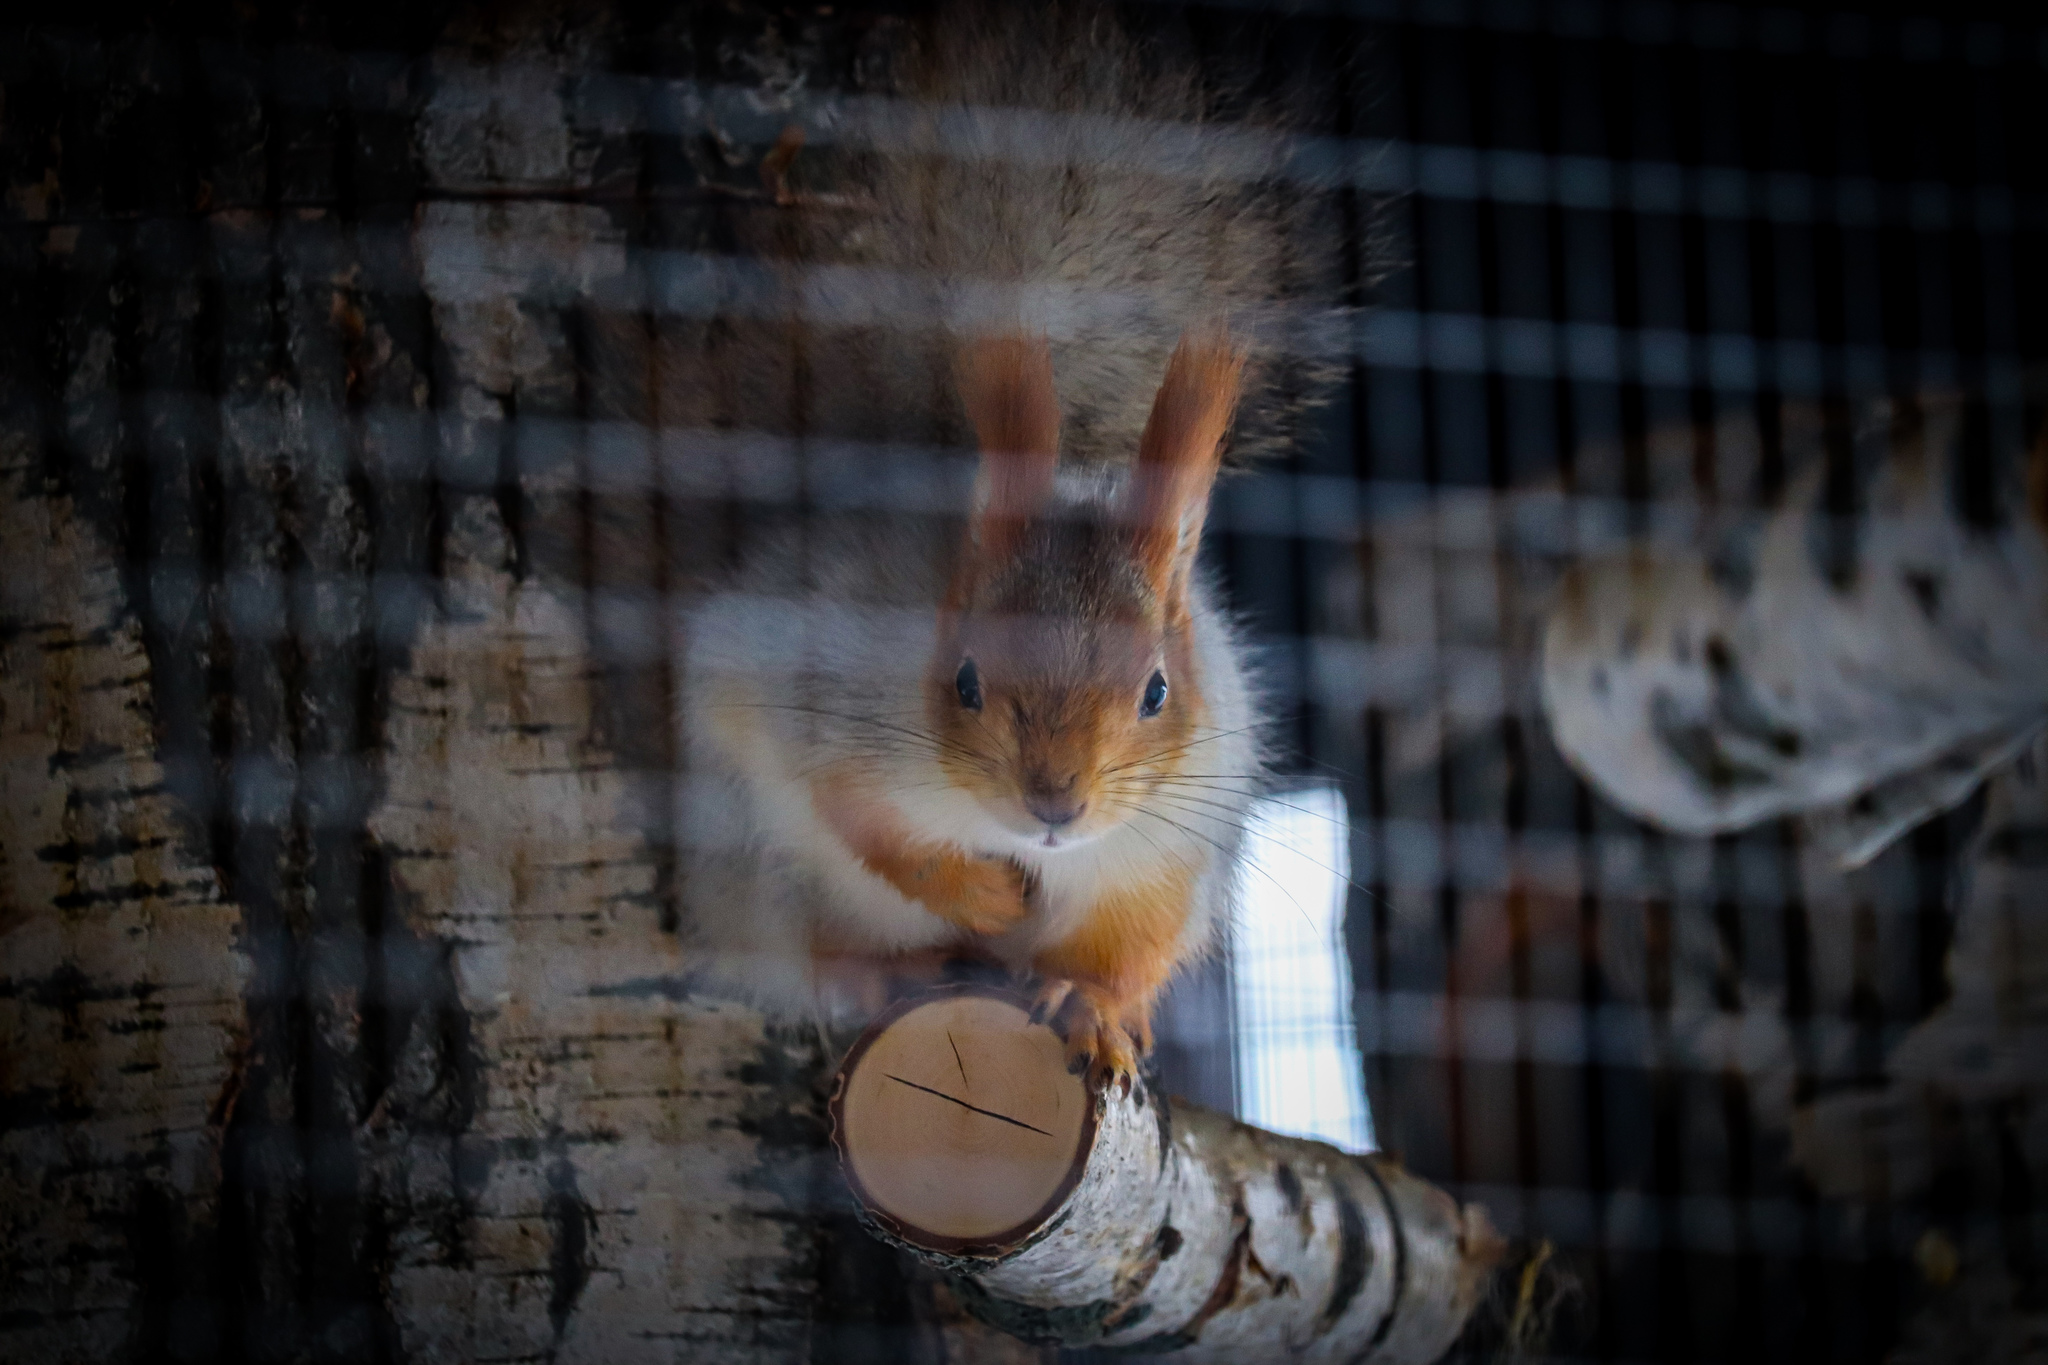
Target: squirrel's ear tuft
point(1006, 387)
point(1178, 457)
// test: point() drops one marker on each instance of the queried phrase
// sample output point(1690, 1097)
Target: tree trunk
point(122, 1026)
point(1865, 667)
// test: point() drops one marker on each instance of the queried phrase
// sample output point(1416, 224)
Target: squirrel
point(1026, 732)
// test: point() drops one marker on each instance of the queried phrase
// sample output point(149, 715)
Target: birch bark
point(1131, 1222)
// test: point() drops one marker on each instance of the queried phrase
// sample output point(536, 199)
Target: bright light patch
point(1298, 1065)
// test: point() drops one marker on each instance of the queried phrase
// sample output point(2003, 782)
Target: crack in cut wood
point(965, 1105)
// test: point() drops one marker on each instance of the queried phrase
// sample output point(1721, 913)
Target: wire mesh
point(1605, 276)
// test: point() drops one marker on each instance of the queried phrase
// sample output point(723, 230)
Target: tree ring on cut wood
point(958, 1124)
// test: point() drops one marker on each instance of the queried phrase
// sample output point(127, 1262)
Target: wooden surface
point(959, 1122)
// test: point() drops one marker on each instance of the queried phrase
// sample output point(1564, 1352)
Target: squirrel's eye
point(967, 683)
point(1155, 695)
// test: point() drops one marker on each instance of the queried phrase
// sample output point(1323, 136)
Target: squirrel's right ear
point(1178, 457)
point(1006, 387)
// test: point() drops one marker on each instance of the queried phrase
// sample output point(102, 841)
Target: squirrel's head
point(1064, 687)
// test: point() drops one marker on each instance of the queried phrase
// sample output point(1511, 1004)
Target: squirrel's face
point(1062, 726)
point(1063, 693)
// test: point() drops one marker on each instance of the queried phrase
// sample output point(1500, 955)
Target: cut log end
point(958, 1124)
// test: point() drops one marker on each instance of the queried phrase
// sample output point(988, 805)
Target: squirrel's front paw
point(1104, 1036)
point(985, 895)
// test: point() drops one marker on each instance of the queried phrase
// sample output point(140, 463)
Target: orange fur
point(1060, 693)
point(984, 895)
point(1059, 706)
point(1065, 624)
point(1102, 980)
point(1178, 458)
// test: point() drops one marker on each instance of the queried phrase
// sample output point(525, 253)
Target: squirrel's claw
point(1109, 1060)
point(1101, 1044)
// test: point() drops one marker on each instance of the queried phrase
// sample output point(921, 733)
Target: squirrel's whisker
point(1183, 748)
point(1251, 832)
point(1171, 783)
point(1278, 885)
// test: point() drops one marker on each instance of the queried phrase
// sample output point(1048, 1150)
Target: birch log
point(1864, 666)
point(121, 965)
point(1123, 1221)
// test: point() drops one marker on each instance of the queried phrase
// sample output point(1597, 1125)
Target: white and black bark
point(1863, 654)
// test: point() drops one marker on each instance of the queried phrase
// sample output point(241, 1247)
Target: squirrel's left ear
point(1177, 460)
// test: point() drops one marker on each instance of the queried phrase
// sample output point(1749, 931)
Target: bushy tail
point(1013, 166)
point(1039, 168)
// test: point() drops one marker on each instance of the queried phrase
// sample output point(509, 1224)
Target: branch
point(1090, 1219)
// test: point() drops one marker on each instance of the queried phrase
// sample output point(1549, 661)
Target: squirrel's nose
point(1053, 801)
point(1055, 811)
